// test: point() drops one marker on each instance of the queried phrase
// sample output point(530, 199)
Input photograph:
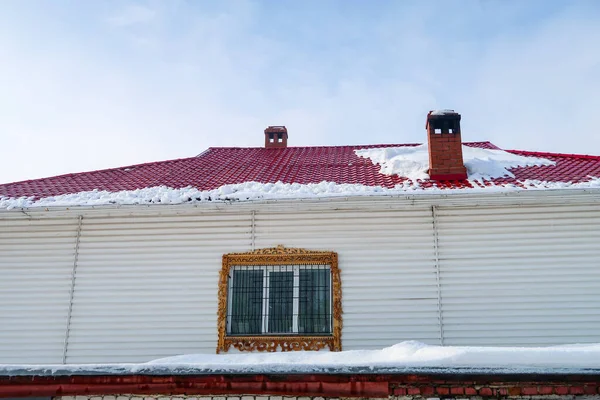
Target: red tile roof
point(219, 166)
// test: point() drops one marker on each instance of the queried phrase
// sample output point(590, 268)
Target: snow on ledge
point(254, 191)
point(402, 356)
point(413, 162)
point(406, 354)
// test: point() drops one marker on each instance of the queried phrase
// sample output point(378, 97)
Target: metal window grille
point(280, 300)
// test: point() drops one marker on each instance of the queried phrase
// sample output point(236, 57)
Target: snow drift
point(413, 162)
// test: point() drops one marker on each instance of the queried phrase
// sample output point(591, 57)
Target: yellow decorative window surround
point(280, 298)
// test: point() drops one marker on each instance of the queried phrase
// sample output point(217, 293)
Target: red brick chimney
point(276, 137)
point(445, 146)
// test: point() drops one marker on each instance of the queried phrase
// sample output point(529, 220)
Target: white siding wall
point(146, 286)
point(389, 289)
point(520, 275)
point(36, 263)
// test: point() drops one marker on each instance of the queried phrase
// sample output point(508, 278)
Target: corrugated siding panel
point(387, 268)
point(36, 262)
point(146, 287)
point(520, 275)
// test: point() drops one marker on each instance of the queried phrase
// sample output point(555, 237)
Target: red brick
point(427, 390)
point(442, 390)
point(589, 389)
point(400, 391)
point(529, 390)
point(469, 391)
point(561, 390)
point(546, 390)
point(485, 392)
point(413, 391)
point(514, 391)
point(457, 390)
point(576, 390)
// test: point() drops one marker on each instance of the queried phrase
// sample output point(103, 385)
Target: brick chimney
point(445, 146)
point(276, 137)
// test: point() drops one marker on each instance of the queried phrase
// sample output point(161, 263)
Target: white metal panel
point(520, 275)
point(387, 269)
point(146, 287)
point(36, 263)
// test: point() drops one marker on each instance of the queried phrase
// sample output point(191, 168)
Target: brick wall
point(496, 390)
point(241, 397)
point(307, 387)
point(445, 147)
point(445, 155)
point(415, 397)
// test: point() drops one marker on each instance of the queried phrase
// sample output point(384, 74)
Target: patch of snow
point(443, 112)
point(253, 191)
point(413, 162)
point(402, 356)
point(409, 353)
point(165, 195)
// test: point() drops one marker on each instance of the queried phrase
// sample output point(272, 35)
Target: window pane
point(246, 302)
point(281, 302)
point(315, 301)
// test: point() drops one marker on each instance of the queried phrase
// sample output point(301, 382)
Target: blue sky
point(98, 84)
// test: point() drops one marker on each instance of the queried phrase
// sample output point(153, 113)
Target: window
point(280, 298)
point(290, 299)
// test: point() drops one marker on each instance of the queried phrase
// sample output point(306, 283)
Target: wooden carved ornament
point(280, 256)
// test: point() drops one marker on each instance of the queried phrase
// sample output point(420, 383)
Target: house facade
point(450, 261)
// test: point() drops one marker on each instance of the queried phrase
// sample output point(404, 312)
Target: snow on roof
point(246, 174)
point(482, 164)
point(255, 191)
point(400, 357)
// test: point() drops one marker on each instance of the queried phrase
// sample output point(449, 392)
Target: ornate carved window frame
point(276, 256)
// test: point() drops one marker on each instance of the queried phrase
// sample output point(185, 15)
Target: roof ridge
point(338, 146)
point(318, 146)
